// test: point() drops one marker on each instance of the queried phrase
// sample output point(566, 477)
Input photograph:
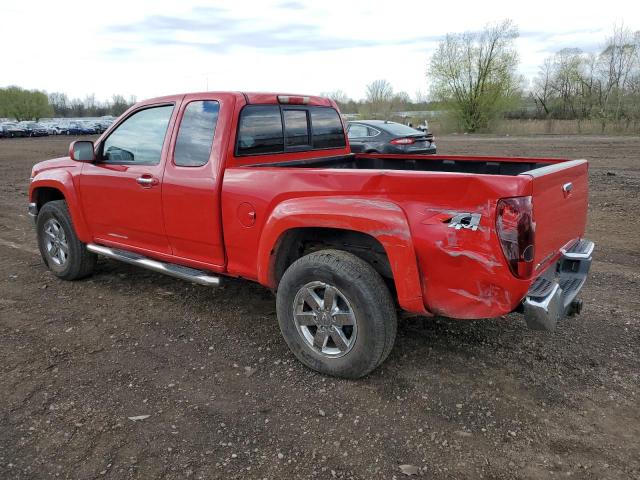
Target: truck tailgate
point(560, 201)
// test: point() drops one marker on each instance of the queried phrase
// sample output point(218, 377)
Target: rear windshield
point(327, 128)
point(261, 130)
point(399, 129)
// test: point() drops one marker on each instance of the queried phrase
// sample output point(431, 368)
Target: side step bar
point(185, 273)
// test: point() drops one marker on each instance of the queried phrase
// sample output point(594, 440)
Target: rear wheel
point(336, 313)
point(65, 255)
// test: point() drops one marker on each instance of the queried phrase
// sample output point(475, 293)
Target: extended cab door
point(121, 191)
point(193, 178)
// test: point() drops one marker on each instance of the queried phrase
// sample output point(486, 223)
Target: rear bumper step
point(178, 271)
point(553, 295)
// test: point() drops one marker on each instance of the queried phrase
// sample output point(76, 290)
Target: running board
point(185, 273)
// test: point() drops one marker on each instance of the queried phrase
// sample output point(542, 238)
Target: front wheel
point(61, 249)
point(336, 313)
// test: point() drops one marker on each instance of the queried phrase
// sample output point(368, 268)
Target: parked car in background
point(34, 129)
point(382, 136)
point(71, 128)
point(14, 130)
point(53, 128)
point(97, 127)
point(86, 128)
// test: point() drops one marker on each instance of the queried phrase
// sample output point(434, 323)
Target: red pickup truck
point(264, 186)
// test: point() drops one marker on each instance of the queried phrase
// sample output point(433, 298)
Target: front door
point(121, 191)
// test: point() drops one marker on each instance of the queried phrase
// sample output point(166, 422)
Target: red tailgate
point(560, 201)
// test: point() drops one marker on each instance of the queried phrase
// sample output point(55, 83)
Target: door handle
point(147, 181)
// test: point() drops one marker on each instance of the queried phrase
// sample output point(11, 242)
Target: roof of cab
point(250, 97)
point(272, 98)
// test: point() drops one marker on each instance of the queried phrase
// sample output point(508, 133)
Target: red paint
point(229, 215)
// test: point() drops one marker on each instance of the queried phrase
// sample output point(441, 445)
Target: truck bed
point(425, 163)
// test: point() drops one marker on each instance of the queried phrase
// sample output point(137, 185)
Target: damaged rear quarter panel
point(464, 271)
point(459, 273)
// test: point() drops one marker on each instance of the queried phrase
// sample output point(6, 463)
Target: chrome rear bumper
point(553, 295)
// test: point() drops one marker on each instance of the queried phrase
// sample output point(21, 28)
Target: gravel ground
point(218, 395)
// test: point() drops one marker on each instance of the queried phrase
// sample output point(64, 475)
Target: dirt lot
point(225, 398)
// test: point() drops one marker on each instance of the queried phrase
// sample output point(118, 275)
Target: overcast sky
point(160, 47)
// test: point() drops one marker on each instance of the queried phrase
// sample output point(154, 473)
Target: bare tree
point(379, 98)
point(475, 73)
point(542, 89)
point(345, 104)
point(603, 86)
point(339, 96)
point(616, 64)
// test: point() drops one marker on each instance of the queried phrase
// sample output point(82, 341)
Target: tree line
point(603, 86)
point(22, 104)
point(63, 106)
point(473, 77)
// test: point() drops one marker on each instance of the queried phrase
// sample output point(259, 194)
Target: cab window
point(139, 138)
point(296, 128)
point(195, 137)
point(260, 130)
point(326, 128)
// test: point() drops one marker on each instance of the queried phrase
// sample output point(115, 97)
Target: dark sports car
point(35, 129)
point(381, 136)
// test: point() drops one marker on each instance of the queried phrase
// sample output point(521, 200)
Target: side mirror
point(82, 151)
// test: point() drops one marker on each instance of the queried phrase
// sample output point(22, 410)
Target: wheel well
point(47, 194)
point(298, 242)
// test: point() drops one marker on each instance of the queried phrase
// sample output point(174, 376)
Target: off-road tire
point(369, 298)
point(80, 262)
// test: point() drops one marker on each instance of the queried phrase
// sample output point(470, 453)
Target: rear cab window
point(195, 134)
point(296, 128)
point(270, 129)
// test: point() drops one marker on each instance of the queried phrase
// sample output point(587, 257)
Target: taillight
point(403, 141)
point(516, 231)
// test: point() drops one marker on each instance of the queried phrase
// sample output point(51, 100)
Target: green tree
point(474, 74)
point(21, 104)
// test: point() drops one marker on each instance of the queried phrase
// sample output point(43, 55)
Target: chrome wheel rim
point(55, 242)
point(325, 320)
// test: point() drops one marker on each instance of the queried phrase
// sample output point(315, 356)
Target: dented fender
point(385, 221)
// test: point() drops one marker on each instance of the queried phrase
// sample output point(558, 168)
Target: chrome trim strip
point(578, 255)
point(178, 271)
point(554, 167)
